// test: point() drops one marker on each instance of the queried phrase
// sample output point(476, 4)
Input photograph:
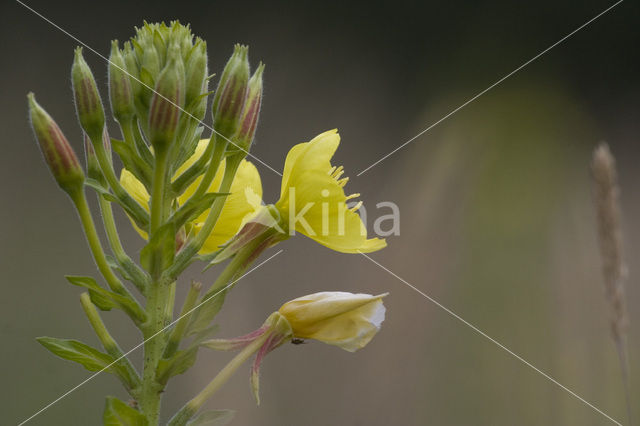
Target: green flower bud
point(251, 112)
point(120, 90)
point(167, 101)
point(88, 102)
point(57, 152)
point(229, 99)
point(196, 76)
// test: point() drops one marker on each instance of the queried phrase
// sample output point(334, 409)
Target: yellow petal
point(320, 198)
point(238, 207)
point(315, 154)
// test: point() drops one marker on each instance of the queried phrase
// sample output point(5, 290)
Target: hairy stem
point(192, 407)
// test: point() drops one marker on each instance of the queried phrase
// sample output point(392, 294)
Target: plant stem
point(158, 191)
point(139, 278)
point(132, 380)
point(192, 407)
point(181, 325)
point(80, 201)
point(136, 211)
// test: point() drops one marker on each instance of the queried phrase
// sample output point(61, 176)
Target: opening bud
point(120, 90)
point(88, 103)
point(228, 102)
point(167, 102)
point(57, 152)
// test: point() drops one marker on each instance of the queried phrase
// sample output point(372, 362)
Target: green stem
point(139, 278)
point(133, 138)
point(158, 192)
point(132, 379)
point(136, 211)
point(218, 153)
point(80, 201)
point(158, 296)
point(191, 249)
point(192, 407)
point(178, 330)
point(151, 392)
point(184, 180)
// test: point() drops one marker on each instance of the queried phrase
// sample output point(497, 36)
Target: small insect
point(297, 341)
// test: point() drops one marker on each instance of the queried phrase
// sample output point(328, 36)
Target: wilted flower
point(342, 319)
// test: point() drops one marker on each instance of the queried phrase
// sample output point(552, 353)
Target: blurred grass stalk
point(606, 194)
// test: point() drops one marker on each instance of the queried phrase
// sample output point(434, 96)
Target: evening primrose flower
point(313, 201)
point(338, 318)
point(236, 207)
point(342, 319)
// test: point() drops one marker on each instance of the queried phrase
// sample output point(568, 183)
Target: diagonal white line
point(490, 87)
point(144, 84)
point(494, 341)
point(49, 405)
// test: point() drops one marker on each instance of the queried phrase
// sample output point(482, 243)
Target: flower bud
point(167, 102)
point(57, 152)
point(196, 75)
point(342, 319)
point(251, 112)
point(88, 103)
point(229, 99)
point(120, 90)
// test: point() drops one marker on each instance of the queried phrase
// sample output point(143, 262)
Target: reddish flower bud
point(251, 112)
point(57, 152)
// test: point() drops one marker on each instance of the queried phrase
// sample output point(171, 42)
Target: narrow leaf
point(177, 364)
point(73, 350)
point(107, 300)
point(117, 413)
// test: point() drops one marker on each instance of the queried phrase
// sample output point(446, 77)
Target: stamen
point(333, 169)
point(338, 172)
point(356, 207)
point(342, 182)
point(352, 196)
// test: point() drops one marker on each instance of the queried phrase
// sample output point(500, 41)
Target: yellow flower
point(338, 318)
point(237, 207)
point(313, 202)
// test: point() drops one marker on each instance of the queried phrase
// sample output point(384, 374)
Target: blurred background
point(497, 221)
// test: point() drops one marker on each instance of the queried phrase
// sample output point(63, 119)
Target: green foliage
point(117, 413)
point(107, 300)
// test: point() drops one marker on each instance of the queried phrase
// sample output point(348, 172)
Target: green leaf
point(132, 161)
point(158, 254)
point(106, 300)
point(213, 418)
point(177, 364)
point(117, 413)
point(201, 318)
point(100, 189)
point(73, 350)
